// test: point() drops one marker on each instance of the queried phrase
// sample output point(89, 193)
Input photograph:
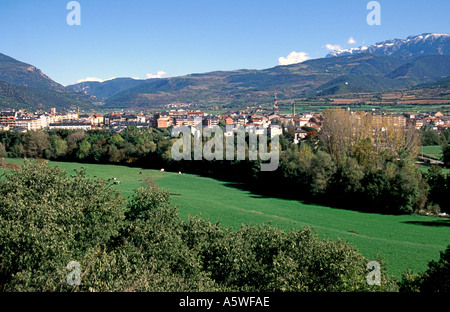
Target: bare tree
point(364, 135)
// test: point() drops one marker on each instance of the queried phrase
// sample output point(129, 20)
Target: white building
point(71, 126)
point(275, 130)
point(253, 129)
point(28, 123)
point(45, 120)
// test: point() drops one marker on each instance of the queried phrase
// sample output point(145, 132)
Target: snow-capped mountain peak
point(411, 47)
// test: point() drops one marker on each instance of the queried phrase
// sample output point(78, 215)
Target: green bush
point(49, 218)
point(267, 259)
point(435, 279)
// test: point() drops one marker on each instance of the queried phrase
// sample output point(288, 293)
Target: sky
point(150, 39)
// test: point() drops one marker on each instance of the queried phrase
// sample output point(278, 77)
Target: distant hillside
point(353, 73)
point(35, 99)
point(441, 84)
point(234, 87)
point(106, 89)
point(25, 86)
point(22, 74)
point(359, 83)
point(424, 69)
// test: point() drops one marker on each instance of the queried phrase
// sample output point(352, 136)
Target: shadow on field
point(430, 223)
point(285, 192)
point(257, 191)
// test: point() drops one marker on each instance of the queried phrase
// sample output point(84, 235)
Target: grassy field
point(433, 151)
point(425, 167)
point(405, 242)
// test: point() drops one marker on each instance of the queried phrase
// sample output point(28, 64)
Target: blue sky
point(141, 38)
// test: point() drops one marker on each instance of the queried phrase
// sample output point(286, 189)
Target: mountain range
point(390, 65)
point(386, 66)
point(411, 47)
point(363, 72)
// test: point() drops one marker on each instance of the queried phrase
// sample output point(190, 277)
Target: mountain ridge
point(25, 86)
point(22, 74)
point(38, 99)
point(411, 47)
point(365, 72)
point(107, 88)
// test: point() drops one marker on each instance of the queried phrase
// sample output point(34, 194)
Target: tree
point(35, 143)
point(268, 259)
point(336, 134)
point(305, 154)
point(58, 146)
point(439, 187)
point(395, 141)
point(430, 137)
point(322, 169)
point(3, 152)
point(346, 183)
point(145, 199)
point(117, 140)
point(408, 190)
point(367, 136)
point(115, 155)
point(83, 149)
point(364, 152)
point(446, 155)
point(72, 142)
point(396, 189)
point(75, 137)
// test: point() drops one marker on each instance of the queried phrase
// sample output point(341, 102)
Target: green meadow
point(405, 242)
point(433, 151)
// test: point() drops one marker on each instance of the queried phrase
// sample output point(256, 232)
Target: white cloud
point(333, 47)
point(293, 58)
point(351, 41)
point(159, 74)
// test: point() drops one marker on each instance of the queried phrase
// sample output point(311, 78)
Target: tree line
point(355, 162)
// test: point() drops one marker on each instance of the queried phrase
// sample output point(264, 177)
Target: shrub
point(435, 279)
point(47, 219)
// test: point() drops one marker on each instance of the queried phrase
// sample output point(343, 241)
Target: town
point(273, 122)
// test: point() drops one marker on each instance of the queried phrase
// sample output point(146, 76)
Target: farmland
point(404, 242)
point(412, 101)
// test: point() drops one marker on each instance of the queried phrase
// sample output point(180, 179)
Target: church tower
point(275, 105)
